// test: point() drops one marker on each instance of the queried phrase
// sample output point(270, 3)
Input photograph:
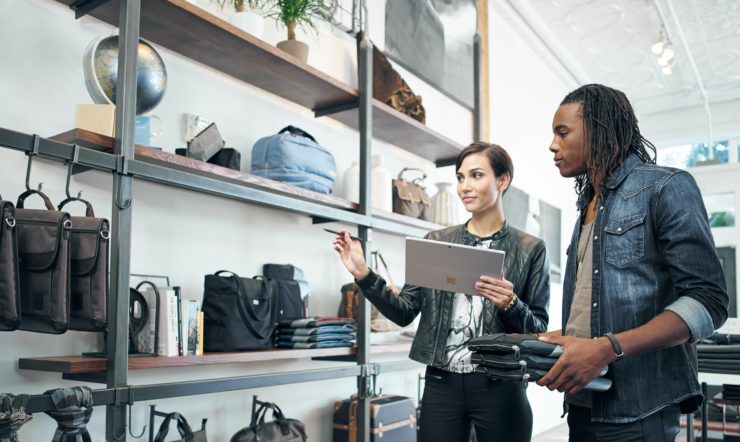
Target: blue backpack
point(293, 156)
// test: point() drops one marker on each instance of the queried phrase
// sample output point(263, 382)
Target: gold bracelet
point(511, 303)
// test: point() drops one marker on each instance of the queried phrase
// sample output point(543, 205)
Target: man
point(643, 282)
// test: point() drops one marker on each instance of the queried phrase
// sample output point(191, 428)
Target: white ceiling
point(608, 41)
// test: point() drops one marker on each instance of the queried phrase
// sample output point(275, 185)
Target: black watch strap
point(617, 348)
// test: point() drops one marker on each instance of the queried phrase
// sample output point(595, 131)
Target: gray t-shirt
point(579, 320)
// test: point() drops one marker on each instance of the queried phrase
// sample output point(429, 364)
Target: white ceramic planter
point(295, 48)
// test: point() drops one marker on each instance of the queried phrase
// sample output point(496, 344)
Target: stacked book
point(315, 332)
point(520, 358)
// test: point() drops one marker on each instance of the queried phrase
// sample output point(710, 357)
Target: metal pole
point(365, 64)
point(704, 413)
point(477, 83)
point(117, 340)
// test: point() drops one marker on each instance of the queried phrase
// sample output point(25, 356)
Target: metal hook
point(32, 154)
point(130, 425)
point(121, 436)
point(121, 168)
point(72, 162)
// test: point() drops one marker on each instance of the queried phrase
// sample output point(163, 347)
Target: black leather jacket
point(526, 265)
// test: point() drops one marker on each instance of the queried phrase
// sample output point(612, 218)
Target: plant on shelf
point(294, 14)
point(245, 16)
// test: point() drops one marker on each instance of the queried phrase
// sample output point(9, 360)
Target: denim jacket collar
point(623, 170)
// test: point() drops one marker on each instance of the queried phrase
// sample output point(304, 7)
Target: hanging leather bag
point(280, 429)
point(410, 198)
point(10, 292)
point(43, 249)
point(89, 270)
point(186, 433)
point(238, 313)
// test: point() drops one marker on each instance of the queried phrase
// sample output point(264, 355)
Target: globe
point(100, 65)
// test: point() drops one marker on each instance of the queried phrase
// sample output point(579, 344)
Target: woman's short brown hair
point(497, 156)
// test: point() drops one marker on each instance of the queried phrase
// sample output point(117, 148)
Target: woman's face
point(477, 186)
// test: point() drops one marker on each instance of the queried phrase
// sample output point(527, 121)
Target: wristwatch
point(617, 348)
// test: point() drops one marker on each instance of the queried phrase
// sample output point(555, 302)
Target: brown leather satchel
point(43, 248)
point(410, 198)
point(10, 301)
point(350, 304)
point(89, 270)
point(391, 89)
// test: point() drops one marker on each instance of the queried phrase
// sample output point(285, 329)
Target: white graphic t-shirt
point(467, 312)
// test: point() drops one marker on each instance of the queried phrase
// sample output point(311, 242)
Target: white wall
point(186, 234)
point(690, 124)
point(525, 93)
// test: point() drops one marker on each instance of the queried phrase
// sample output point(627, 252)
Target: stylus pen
point(340, 234)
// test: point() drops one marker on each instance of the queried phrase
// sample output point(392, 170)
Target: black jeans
point(499, 411)
point(661, 426)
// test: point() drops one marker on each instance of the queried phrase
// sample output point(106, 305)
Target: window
point(721, 209)
point(691, 155)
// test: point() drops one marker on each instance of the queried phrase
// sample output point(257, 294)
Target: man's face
point(569, 141)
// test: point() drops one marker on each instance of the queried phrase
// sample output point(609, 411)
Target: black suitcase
point(392, 419)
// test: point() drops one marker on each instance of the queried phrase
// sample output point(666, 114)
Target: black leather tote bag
point(89, 270)
point(10, 292)
point(280, 429)
point(238, 313)
point(43, 249)
point(186, 433)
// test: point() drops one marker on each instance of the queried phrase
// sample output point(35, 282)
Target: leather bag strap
point(22, 198)
point(298, 131)
point(165, 427)
point(245, 308)
point(89, 212)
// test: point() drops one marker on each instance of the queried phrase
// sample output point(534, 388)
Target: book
point(167, 340)
point(200, 333)
point(191, 329)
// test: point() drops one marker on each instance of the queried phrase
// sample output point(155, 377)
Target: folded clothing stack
point(315, 332)
point(520, 358)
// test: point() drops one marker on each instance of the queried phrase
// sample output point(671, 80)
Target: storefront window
point(721, 209)
point(691, 155)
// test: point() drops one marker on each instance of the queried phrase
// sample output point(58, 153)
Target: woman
point(516, 302)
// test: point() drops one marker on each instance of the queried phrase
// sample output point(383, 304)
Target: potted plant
point(293, 14)
point(245, 16)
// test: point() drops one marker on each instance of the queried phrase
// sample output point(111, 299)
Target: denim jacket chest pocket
point(624, 241)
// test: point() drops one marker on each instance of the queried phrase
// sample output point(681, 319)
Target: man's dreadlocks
point(611, 134)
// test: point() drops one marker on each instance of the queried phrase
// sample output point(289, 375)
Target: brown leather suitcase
point(392, 419)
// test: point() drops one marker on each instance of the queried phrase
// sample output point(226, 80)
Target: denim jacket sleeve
point(401, 308)
point(529, 313)
point(685, 240)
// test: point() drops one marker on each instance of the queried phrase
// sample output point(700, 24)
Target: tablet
point(448, 266)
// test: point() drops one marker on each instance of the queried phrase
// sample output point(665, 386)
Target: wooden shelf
point(194, 33)
point(92, 140)
point(103, 143)
point(87, 364)
point(403, 131)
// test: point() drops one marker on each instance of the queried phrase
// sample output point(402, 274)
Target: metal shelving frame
point(124, 168)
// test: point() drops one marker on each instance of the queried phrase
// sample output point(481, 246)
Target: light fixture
point(668, 52)
point(658, 47)
point(664, 53)
point(667, 69)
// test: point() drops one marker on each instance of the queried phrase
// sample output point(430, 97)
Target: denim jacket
point(652, 251)
point(526, 265)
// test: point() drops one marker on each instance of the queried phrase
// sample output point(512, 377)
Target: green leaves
point(296, 13)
